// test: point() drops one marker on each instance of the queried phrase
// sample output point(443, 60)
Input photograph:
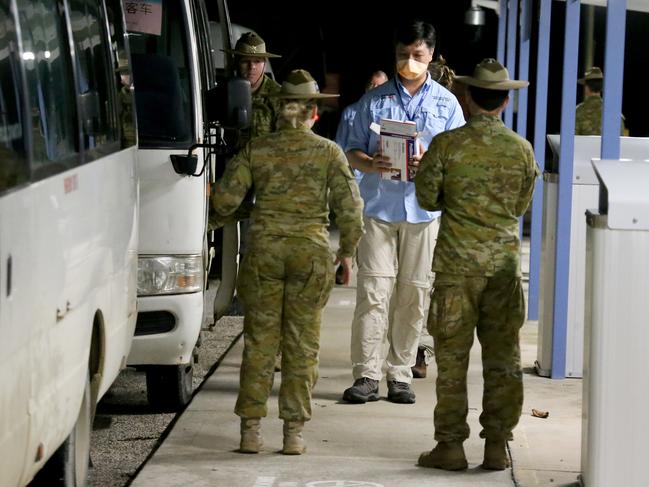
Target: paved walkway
point(372, 445)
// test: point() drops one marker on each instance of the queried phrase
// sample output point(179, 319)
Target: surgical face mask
point(411, 69)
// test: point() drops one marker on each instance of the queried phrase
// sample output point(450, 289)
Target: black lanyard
point(424, 92)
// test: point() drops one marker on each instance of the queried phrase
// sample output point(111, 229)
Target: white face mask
point(411, 69)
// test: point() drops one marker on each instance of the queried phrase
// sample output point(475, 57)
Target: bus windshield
point(162, 77)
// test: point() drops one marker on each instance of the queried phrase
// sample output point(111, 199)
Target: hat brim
point(305, 97)
point(582, 81)
point(512, 84)
point(250, 54)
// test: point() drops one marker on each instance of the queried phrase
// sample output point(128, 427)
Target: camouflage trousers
point(284, 284)
point(495, 308)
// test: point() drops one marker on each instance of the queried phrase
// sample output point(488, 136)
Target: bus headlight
point(169, 275)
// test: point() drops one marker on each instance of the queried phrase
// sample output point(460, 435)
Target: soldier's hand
point(346, 262)
point(380, 163)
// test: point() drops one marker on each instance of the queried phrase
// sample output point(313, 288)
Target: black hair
point(413, 31)
point(487, 99)
point(595, 85)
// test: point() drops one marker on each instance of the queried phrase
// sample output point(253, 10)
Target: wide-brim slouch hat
point(592, 73)
point(250, 44)
point(491, 75)
point(300, 85)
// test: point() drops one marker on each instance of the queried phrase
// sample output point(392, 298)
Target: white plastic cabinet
point(616, 384)
point(585, 191)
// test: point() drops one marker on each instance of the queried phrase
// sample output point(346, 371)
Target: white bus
point(68, 231)
point(174, 80)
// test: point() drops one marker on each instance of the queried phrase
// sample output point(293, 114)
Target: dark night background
point(342, 43)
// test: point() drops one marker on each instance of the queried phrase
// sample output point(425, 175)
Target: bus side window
point(95, 73)
point(14, 169)
point(123, 78)
point(48, 72)
point(162, 81)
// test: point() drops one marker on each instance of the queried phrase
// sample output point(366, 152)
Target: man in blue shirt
point(347, 117)
point(396, 252)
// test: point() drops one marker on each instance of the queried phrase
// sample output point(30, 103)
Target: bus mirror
point(230, 103)
point(184, 164)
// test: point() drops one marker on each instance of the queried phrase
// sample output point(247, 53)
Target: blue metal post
point(502, 29)
point(512, 24)
point(524, 65)
point(540, 119)
point(613, 78)
point(523, 73)
point(564, 206)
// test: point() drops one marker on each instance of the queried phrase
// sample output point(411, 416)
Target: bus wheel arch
point(96, 357)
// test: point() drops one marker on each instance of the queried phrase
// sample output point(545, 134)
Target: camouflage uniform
point(588, 117)
point(126, 118)
point(481, 176)
point(264, 108)
point(288, 272)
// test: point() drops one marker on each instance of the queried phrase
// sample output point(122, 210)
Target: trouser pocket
point(445, 314)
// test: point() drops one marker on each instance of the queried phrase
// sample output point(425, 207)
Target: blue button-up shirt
point(345, 124)
point(342, 134)
point(395, 201)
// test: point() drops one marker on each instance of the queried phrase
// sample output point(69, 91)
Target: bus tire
point(69, 465)
point(169, 387)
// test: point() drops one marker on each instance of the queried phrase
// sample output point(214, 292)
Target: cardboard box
point(399, 143)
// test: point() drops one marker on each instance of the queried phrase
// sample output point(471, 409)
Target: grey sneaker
point(363, 390)
point(400, 392)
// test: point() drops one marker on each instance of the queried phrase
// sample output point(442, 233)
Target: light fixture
point(474, 16)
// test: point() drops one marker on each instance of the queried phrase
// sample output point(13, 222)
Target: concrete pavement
point(370, 445)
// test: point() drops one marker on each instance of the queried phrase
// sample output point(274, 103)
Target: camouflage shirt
point(264, 108)
point(126, 118)
point(482, 177)
point(588, 117)
point(296, 174)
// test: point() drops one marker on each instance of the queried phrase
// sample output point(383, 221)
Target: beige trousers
point(394, 280)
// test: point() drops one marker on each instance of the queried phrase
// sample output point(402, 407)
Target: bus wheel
point(68, 466)
point(169, 387)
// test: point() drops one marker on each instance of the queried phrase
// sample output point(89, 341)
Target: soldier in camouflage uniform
point(288, 271)
point(588, 114)
point(251, 57)
point(481, 176)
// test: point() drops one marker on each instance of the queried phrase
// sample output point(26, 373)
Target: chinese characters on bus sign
point(143, 16)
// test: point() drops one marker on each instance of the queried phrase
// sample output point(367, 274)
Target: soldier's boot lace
point(447, 455)
point(293, 440)
point(495, 455)
point(251, 440)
